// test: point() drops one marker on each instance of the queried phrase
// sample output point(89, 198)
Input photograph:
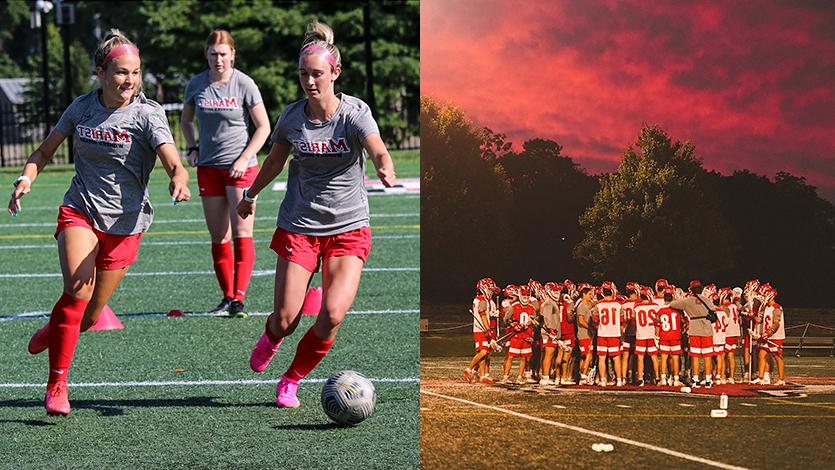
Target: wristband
point(248, 198)
point(21, 178)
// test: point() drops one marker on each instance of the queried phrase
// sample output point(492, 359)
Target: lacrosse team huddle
point(658, 336)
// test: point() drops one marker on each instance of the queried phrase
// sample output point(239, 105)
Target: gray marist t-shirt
point(222, 117)
point(325, 183)
point(114, 153)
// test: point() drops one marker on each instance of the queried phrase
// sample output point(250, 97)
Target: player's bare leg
point(781, 368)
point(546, 365)
point(624, 361)
point(107, 280)
point(762, 366)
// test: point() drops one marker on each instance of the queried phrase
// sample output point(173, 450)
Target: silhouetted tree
point(655, 216)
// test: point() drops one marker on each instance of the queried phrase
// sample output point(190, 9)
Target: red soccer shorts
point(212, 181)
point(585, 346)
point(730, 343)
point(774, 346)
point(305, 250)
point(645, 346)
point(115, 251)
point(481, 342)
point(569, 342)
point(608, 346)
point(701, 346)
point(626, 345)
point(670, 346)
point(519, 347)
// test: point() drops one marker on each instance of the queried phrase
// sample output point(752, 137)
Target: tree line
point(487, 210)
point(171, 35)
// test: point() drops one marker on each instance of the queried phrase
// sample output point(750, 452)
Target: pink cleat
point(263, 353)
point(40, 340)
point(285, 393)
point(57, 402)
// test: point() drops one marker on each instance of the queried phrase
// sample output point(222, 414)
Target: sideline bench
point(810, 342)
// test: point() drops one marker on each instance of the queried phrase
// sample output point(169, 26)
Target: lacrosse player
point(606, 314)
point(483, 305)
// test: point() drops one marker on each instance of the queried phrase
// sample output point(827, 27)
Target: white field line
point(44, 246)
point(187, 221)
point(259, 273)
point(602, 435)
point(191, 383)
point(45, 313)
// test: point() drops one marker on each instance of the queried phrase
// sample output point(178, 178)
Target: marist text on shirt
point(222, 104)
point(109, 138)
point(321, 148)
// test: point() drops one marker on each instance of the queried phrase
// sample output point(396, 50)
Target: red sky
point(751, 84)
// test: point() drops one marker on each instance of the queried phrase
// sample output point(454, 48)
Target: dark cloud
point(749, 83)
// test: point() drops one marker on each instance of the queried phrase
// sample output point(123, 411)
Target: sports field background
point(178, 392)
point(499, 426)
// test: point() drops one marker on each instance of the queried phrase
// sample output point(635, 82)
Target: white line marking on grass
point(175, 383)
point(258, 273)
point(686, 405)
point(45, 313)
point(748, 404)
point(193, 242)
point(603, 435)
point(559, 406)
point(623, 406)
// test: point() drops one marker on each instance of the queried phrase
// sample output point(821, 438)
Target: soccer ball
point(348, 397)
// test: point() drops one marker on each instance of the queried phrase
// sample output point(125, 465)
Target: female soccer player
point(106, 209)
point(325, 210)
point(224, 100)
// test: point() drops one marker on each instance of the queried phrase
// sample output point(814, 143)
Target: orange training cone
point(107, 321)
point(312, 301)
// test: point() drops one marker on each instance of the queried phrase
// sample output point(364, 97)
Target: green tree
point(465, 205)
point(655, 216)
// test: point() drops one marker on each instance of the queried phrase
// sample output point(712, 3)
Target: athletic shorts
point(549, 341)
point(701, 346)
point(115, 251)
point(569, 342)
point(730, 343)
point(645, 347)
point(212, 181)
point(481, 342)
point(776, 348)
point(670, 346)
point(585, 346)
point(608, 346)
point(519, 347)
point(627, 343)
point(305, 250)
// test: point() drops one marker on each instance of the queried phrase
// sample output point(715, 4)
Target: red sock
point(223, 262)
point(64, 328)
point(244, 261)
point(309, 353)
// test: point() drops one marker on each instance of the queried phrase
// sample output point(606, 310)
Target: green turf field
point(554, 427)
point(178, 392)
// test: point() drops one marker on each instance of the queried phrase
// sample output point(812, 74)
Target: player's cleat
point(546, 381)
point(57, 402)
point(708, 383)
point(236, 310)
point(223, 306)
point(285, 393)
point(520, 380)
point(39, 341)
point(602, 383)
point(619, 383)
point(663, 380)
point(262, 353)
point(696, 383)
point(746, 377)
point(722, 381)
point(677, 383)
point(567, 382)
point(469, 375)
point(487, 380)
point(641, 383)
point(531, 380)
point(505, 379)
point(767, 379)
point(780, 383)
point(731, 381)
point(757, 381)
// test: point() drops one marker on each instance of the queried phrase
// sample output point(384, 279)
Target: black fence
point(22, 130)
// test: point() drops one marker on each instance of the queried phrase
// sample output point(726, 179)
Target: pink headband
point(317, 49)
point(120, 51)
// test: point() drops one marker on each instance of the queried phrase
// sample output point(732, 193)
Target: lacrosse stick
point(762, 339)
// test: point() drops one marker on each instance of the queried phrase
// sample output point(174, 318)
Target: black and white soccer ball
point(348, 397)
